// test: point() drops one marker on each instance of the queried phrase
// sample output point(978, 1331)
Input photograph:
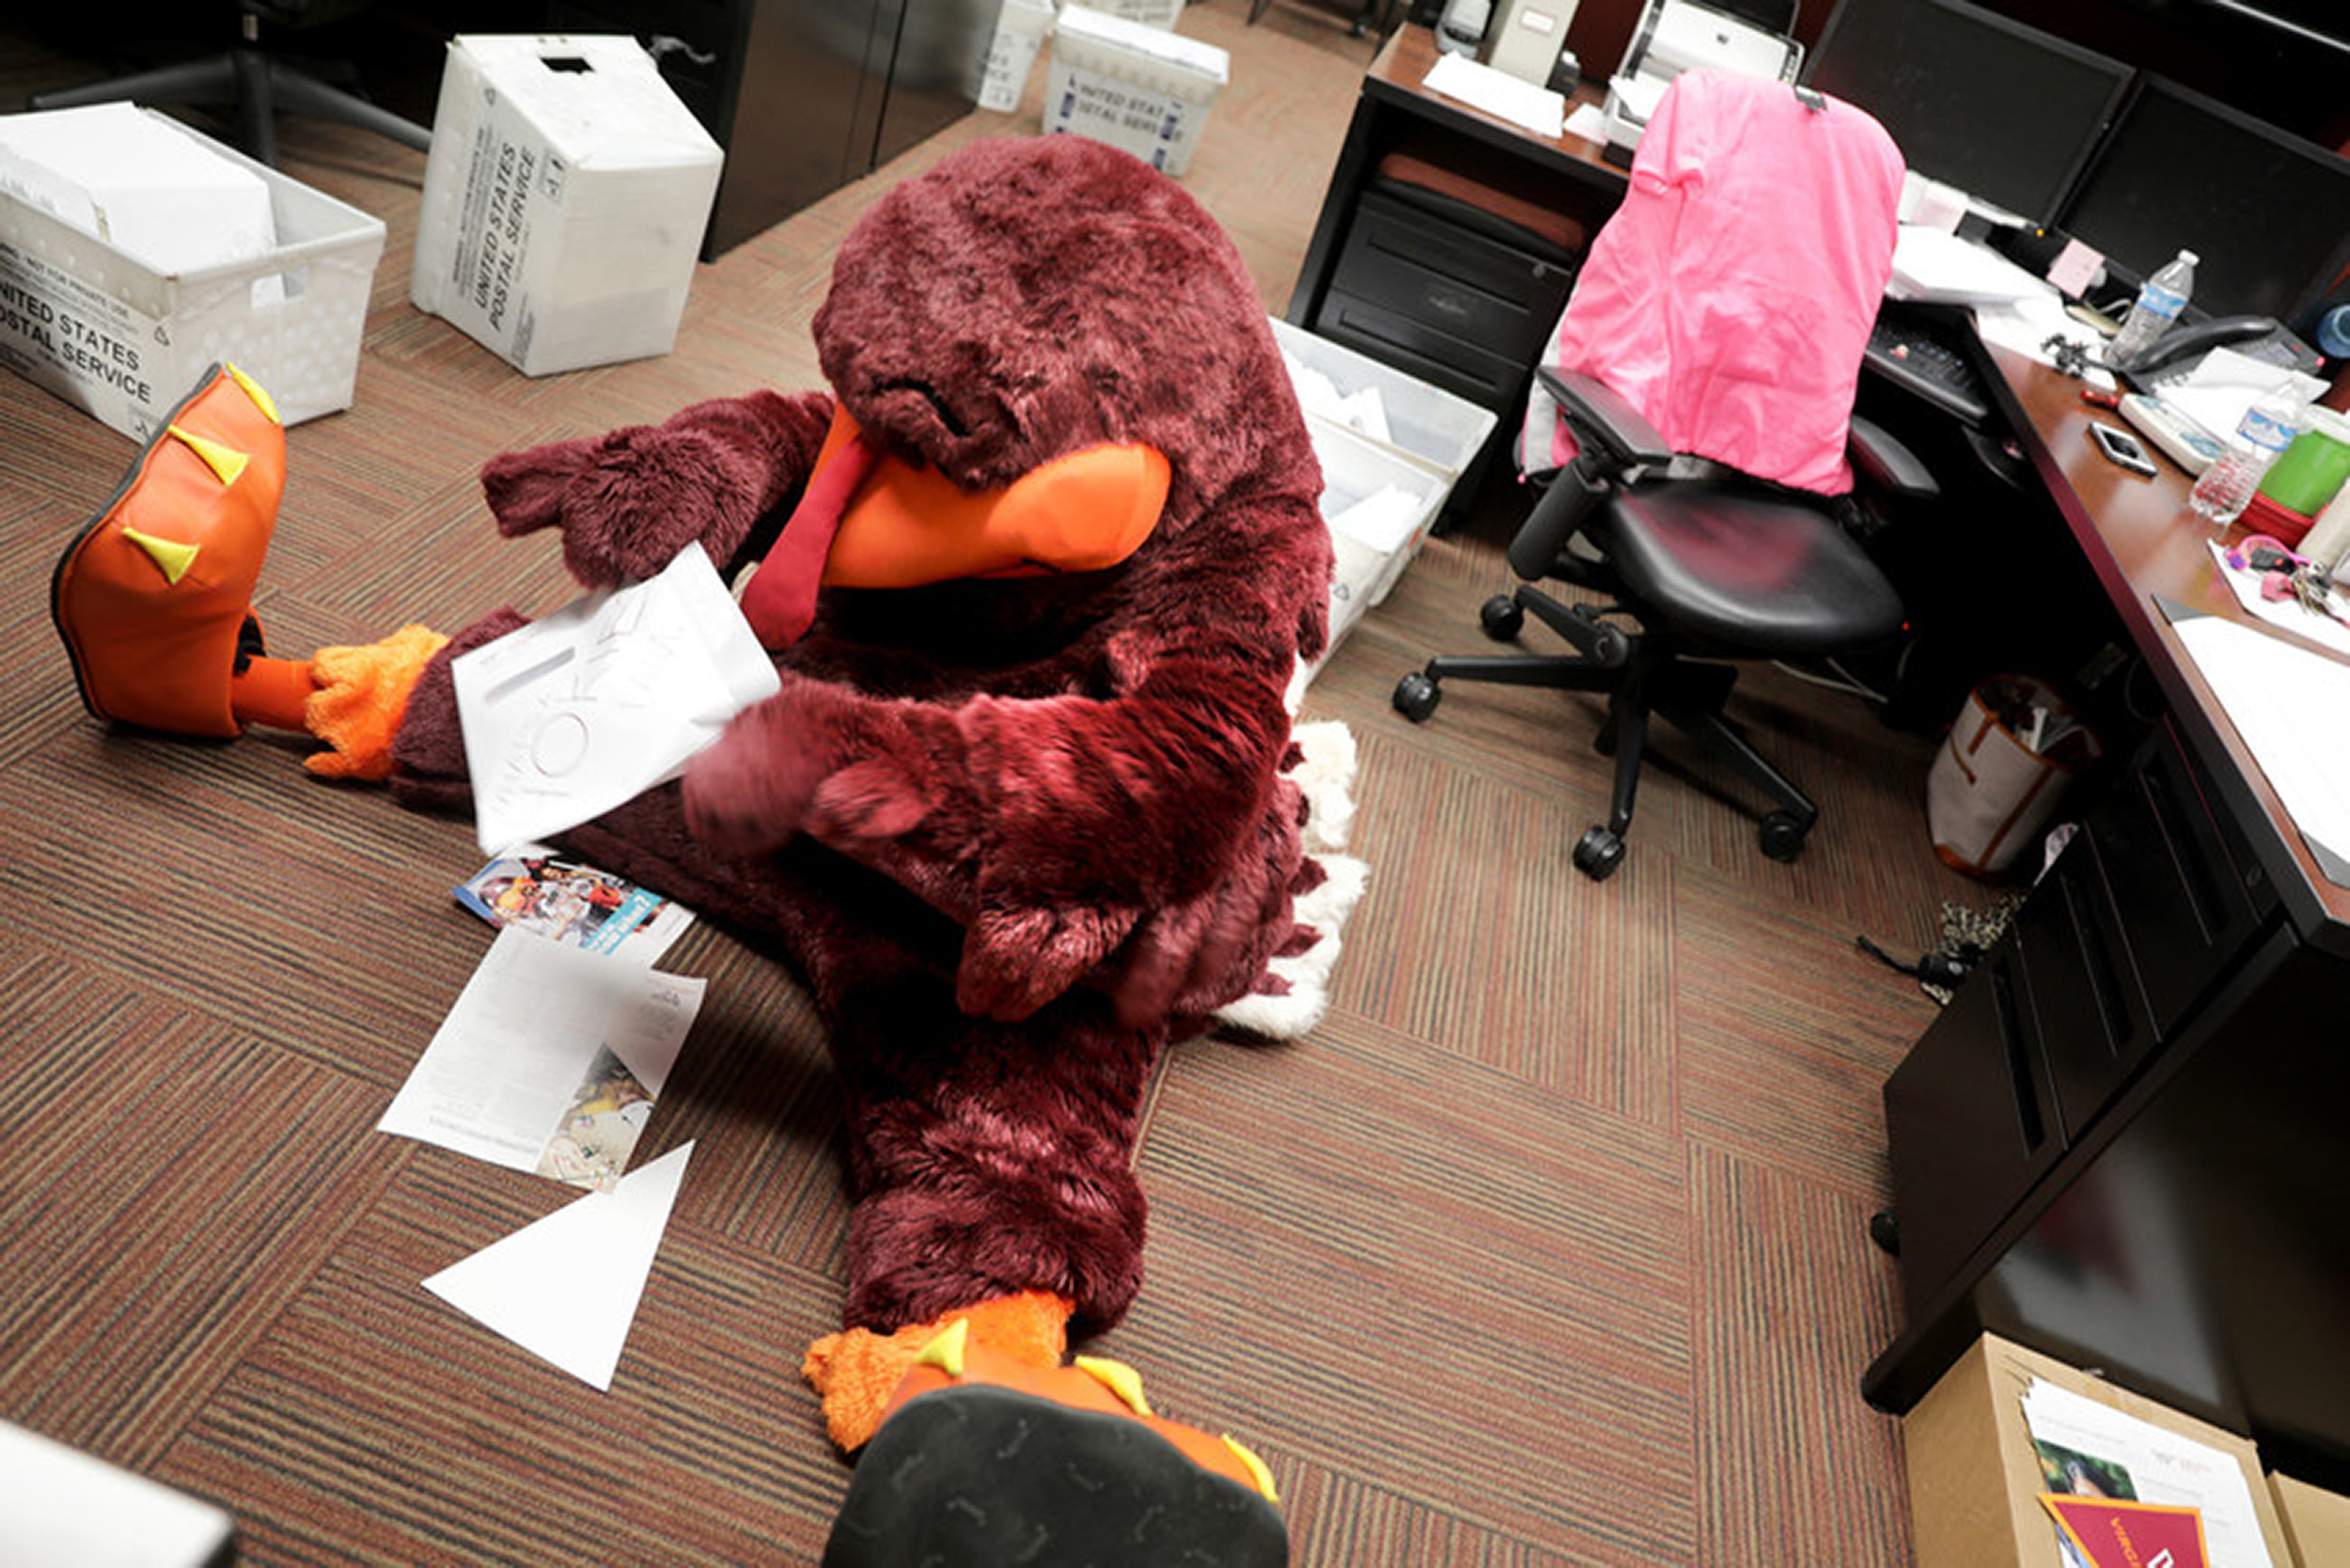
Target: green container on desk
point(2312, 470)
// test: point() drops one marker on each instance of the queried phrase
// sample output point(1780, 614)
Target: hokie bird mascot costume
point(1037, 570)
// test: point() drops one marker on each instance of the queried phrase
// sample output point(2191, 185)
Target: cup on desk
point(2312, 471)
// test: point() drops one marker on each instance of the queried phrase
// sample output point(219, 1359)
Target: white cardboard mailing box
point(1140, 89)
point(1021, 28)
point(1151, 13)
point(113, 334)
point(1371, 499)
point(564, 200)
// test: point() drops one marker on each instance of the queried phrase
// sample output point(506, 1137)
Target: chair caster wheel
point(1783, 834)
point(1502, 616)
point(1884, 1229)
point(1415, 696)
point(1598, 852)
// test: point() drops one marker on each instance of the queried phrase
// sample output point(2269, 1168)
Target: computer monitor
point(2266, 213)
point(2004, 112)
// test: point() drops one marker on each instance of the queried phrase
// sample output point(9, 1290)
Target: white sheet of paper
point(1498, 93)
point(1383, 520)
point(2225, 383)
point(574, 714)
point(566, 1288)
point(1932, 265)
point(2292, 706)
point(2166, 1468)
point(500, 1077)
point(2025, 325)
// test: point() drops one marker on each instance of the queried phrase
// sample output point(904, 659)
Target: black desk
point(2123, 1143)
point(1466, 312)
point(2126, 1143)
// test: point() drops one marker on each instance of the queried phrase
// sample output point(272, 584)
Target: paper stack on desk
point(1932, 266)
point(2214, 391)
point(1498, 93)
point(2287, 702)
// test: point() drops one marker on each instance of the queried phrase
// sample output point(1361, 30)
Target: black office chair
point(252, 82)
point(1712, 564)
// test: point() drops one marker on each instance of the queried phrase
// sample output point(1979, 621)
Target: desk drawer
point(1473, 291)
point(2184, 883)
point(2087, 1003)
point(1971, 1124)
point(1431, 353)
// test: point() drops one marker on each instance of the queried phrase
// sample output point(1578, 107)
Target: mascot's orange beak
point(869, 520)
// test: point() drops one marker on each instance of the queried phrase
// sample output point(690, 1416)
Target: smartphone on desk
point(2120, 446)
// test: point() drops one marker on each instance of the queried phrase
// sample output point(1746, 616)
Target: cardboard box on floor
point(2316, 1522)
point(564, 202)
point(1975, 1481)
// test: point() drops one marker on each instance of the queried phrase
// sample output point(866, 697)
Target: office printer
point(1675, 35)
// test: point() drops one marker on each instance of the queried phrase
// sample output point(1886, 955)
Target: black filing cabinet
point(2123, 1141)
point(803, 95)
point(1465, 309)
point(2072, 1002)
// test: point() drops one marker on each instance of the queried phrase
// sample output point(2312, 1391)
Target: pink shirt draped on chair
point(1746, 353)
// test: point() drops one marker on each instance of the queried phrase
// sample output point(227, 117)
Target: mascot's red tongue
point(780, 602)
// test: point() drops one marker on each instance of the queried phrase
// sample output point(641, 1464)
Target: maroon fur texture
point(1017, 834)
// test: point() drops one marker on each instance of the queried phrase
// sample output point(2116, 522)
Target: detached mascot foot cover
point(154, 598)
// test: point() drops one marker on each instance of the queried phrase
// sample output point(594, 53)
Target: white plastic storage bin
point(1375, 501)
point(1140, 89)
point(1392, 411)
point(112, 334)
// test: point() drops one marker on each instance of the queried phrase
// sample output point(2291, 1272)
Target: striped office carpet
point(1547, 1249)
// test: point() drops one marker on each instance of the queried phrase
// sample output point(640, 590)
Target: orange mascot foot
point(985, 1456)
point(155, 597)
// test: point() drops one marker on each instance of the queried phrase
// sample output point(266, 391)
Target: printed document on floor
point(549, 1061)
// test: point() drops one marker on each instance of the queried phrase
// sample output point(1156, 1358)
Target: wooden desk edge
point(2145, 546)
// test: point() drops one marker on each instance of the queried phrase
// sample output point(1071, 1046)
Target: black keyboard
point(1911, 356)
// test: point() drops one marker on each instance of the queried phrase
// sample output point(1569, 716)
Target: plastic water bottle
point(2158, 305)
point(2266, 429)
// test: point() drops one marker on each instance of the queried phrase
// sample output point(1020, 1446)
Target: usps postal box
point(127, 338)
point(1140, 89)
point(1002, 77)
point(564, 200)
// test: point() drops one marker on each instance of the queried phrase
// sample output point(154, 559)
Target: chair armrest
point(1601, 417)
point(1887, 465)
